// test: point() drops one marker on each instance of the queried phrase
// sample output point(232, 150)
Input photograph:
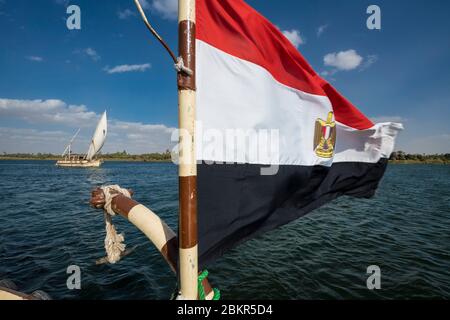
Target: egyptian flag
point(250, 78)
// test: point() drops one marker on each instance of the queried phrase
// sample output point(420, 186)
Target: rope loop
point(114, 245)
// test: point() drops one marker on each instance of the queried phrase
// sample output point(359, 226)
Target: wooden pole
point(188, 248)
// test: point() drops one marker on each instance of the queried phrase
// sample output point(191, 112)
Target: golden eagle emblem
point(325, 137)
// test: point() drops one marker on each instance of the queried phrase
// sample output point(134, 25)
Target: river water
point(46, 225)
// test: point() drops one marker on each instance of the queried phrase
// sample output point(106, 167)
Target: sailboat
point(88, 160)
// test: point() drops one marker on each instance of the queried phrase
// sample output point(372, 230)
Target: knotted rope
point(114, 245)
point(180, 67)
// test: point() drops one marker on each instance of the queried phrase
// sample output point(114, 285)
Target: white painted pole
point(188, 244)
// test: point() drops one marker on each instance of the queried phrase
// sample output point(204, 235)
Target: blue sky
point(54, 80)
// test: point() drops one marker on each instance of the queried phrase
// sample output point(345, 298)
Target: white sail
point(99, 137)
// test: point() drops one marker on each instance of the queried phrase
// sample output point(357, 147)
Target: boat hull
point(79, 163)
point(9, 294)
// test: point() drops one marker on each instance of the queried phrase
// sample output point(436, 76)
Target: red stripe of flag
point(236, 28)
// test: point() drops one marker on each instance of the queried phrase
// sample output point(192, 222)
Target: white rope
point(178, 62)
point(180, 67)
point(114, 245)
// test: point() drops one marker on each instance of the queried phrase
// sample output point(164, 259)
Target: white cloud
point(20, 140)
point(344, 60)
point(370, 60)
point(125, 14)
point(167, 8)
point(35, 58)
point(433, 144)
point(328, 73)
point(91, 53)
point(31, 115)
point(145, 4)
point(294, 37)
point(381, 119)
point(137, 138)
point(128, 68)
point(321, 29)
point(51, 111)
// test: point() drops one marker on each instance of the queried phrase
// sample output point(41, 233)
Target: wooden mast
point(188, 248)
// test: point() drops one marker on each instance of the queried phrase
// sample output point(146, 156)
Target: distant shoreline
point(418, 162)
point(397, 157)
point(105, 160)
point(118, 156)
point(6, 158)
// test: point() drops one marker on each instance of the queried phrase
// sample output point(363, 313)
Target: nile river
point(46, 225)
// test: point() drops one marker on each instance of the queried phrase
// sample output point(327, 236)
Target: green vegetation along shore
point(398, 157)
point(401, 157)
point(118, 156)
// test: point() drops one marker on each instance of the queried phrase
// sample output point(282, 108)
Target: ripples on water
point(46, 224)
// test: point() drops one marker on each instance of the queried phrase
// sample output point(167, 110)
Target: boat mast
point(68, 149)
point(188, 243)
